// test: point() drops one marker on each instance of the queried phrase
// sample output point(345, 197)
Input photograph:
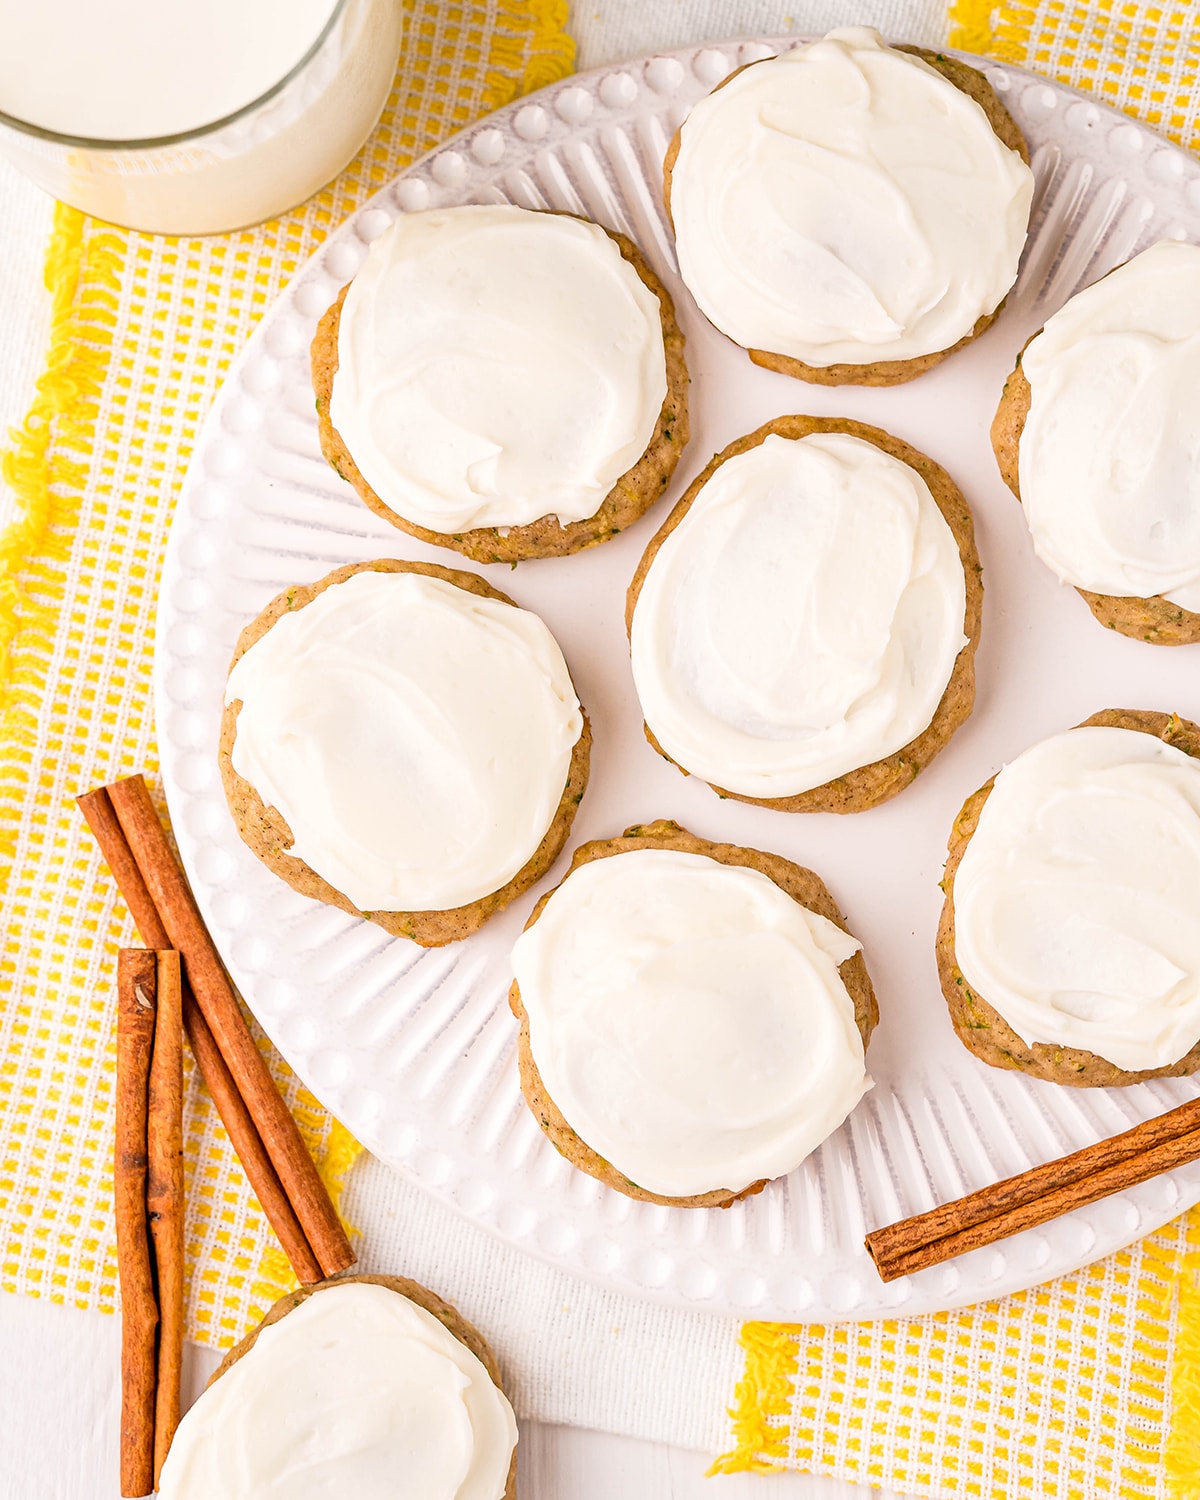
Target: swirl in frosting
point(1075, 911)
point(415, 737)
point(802, 620)
point(1109, 460)
point(496, 366)
point(356, 1392)
point(689, 1020)
point(846, 204)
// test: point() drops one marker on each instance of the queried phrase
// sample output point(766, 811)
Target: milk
point(121, 74)
point(122, 70)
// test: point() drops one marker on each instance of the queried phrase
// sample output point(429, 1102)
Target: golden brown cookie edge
point(266, 833)
point(1155, 620)
point(967, 80)
point(877, 782)
point(628, 500)
point(447, 1315)
point(974, 1018)
point(805, 887)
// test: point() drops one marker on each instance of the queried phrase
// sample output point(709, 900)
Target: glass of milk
point(191, 116)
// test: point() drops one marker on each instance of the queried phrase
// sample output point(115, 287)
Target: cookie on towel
point(1069, 942)
point(402, 741)
point(504, 383)
point(355, 1380)
point(693, 1016)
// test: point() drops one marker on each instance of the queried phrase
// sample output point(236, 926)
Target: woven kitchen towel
point(143, 332)
point(1088, 1387)
point(1062, 1391)
point(143, 329)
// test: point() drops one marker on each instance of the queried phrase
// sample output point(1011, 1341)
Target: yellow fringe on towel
point(971, 25)
point(1183, 1442)
point(543, 55)
point(48, 489)
point(762, 1397)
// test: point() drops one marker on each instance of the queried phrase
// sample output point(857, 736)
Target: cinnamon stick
point(1043, 1193)
point(136, 992)
point(214, 994)
point(243, 1133)
point(164, 1196)
point(248, 1144)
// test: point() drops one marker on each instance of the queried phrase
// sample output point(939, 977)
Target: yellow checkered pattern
point(143, 331)
point(1087, 1388)
point(1135, 54)
point(1063, 1391)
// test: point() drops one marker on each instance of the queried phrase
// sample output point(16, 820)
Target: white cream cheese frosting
point(1075, 910)
point(357, 1392)
point(1109, 458)
point(845, 203)
point(802, 620)
point(689, 1020)
point(415, 737)
point(496, 366)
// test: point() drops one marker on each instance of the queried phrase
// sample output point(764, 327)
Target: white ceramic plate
point(414, 1050)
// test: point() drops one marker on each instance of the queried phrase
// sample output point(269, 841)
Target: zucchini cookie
point(402, 741)
point(1098, 436)
point(505, 383)
point(850, 213)
point(1069, 943)
point(803, 626)
point(693, 1016)
point(369, 1386)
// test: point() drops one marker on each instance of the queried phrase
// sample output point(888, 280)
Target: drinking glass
point(266, 157)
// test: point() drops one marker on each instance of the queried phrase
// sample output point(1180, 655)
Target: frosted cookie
point(693, 1016)
point(504, 383)
point(1098, 435)
point(850, 212)
point(363, 1386)
point(403, 742)
point(1069, 944)
point(803, 626)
